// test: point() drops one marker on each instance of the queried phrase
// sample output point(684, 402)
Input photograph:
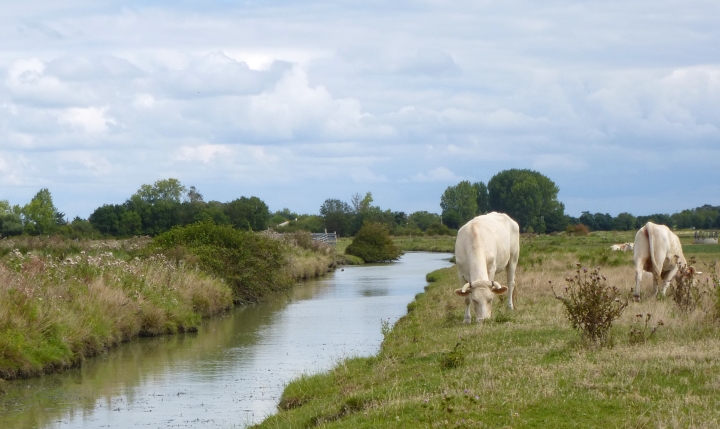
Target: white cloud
point(439, 174)
point(91, 120)
point(203, 153)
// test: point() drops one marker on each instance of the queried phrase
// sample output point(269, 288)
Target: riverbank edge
point(303, 265)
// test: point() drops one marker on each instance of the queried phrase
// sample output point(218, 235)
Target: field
point(529, 368)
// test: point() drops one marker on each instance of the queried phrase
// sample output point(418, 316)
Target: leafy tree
point(624, 222)
point(483, 205)
point(373, 244)
point(40, 214)
point(459, 204)
point(248, 213)
point(106, 219)
point(10, 219)
point(336, 216)
point(423, 219)
point(527, 196)
point(168, 190)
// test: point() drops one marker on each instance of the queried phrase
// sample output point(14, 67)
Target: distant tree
point(248, 213)
point(336, 216)
point(459, 204)
point(483, 204)
point(624, 222)
point(423, 219)
point(106, 219)
point(10, 219)
point(527, 196)
point(40, 215)
point(158, 205)
point(194, 196)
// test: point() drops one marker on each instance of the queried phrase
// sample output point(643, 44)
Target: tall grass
point(55, 313)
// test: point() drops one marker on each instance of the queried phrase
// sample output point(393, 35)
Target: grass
point(526, 368)
point(64, 300)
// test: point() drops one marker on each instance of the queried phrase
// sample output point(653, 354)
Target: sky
point(296, 102)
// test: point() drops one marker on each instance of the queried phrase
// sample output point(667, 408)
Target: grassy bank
point(63, 300)
point(526, 368)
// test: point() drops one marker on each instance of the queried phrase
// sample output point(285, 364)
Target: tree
point(423, 220)
point(248, 213)
point(527, 196)
point(10, 219)
point(459, 204)
point(40, 214)
point(336, 216)
point(482, 198)
point(373, 244)
point(106, 219)
point(624, 222)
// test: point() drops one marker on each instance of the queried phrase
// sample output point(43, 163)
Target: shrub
point(714, 278)
point(685, 292)
point(591, 305)
point(373, 244)
point(439, 229)
point(578, 229)
point(249, 262)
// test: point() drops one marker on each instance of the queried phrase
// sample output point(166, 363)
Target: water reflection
point(232, 371)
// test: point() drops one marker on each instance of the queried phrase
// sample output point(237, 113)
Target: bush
point(714, 278)
point(373, 244)
point(578, 229)
point(685, 292)
point(591, 305)
point(438, 229)
point(249, 262)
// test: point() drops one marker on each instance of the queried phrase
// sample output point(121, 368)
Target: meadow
point(529, 368)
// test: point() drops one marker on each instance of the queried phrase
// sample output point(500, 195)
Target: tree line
point(526, 195)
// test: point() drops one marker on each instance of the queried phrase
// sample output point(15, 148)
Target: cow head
point(481, 293)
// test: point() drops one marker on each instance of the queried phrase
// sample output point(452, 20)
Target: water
point(232, 372)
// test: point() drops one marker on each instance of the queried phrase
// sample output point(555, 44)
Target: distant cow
point(485, 246)
point(622, 247)
point(658, 251)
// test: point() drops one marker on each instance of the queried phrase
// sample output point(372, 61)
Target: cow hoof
point(636, 297)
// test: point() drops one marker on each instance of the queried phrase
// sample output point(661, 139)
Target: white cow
point(657, 250)
point(485, 246)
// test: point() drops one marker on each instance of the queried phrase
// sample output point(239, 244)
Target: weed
point(454, 358)
point(640, 334)
point(685, 291)
point(591, 305)
point(385, 327)
point(713, 283)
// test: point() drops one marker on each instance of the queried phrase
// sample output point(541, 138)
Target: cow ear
point(498, 289)
point(461, 292)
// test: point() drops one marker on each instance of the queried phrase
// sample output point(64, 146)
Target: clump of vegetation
point(591, 305)
point(714, 278)
point(55, 312)
point(640, 331)
point(250, 263)
point(578, 229)
point(373, 244)
point(685, 292)
point(454, 358)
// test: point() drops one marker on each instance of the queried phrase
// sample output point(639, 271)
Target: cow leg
point(468, 303)
point(667, 278)
point(511, 286)
point(638, 279)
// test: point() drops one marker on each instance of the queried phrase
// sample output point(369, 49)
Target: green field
point(529, 368)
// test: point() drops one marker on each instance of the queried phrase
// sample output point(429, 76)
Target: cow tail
point(650, 232)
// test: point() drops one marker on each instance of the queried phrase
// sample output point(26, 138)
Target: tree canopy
point(528, 197)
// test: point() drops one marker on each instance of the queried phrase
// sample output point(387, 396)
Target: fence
point(325, 237)
point(706, 237)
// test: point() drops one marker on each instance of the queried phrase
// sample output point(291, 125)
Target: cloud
point(91, 120)
point(203, 153)
point(439, 174)
point(430, 62)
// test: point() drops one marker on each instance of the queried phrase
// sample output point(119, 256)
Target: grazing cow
point(485, 246)
point(617, 248)
point(658, 251)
